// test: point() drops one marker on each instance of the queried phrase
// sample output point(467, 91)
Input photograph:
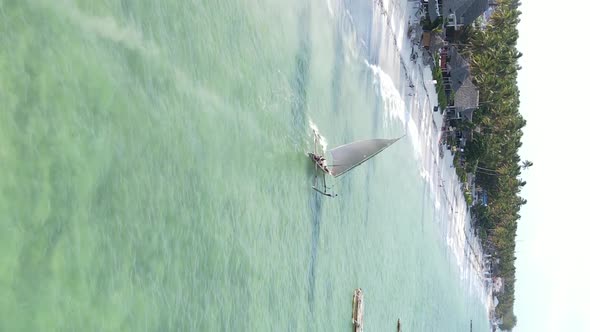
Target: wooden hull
point(317, 165)
point(357, 310)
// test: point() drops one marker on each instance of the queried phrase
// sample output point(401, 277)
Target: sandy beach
point(408, 84)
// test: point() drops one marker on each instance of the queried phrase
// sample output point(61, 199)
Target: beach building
point(466, 101)
point(434, 9)
point(463, 106)
point(456, 13)
point(498, 285)
point(457, 78)
point(455, 68)
point(497, 321)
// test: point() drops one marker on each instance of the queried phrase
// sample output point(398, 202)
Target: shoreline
point(395, 26)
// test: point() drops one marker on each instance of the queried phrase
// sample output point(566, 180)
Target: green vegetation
point(440, 88)
point(468, 198)
point(435, 26)
point(493, 153)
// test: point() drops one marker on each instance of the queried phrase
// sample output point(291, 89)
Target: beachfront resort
point(470, 47)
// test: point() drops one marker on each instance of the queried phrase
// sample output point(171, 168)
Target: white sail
point(349, 156)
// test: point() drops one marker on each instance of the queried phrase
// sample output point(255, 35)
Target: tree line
point(493, 153)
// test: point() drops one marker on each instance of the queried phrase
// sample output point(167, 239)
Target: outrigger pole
point(315, 180)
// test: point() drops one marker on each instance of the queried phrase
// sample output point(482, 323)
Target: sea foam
point(316, 131)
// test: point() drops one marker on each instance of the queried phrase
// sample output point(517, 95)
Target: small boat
point(345, 158)
point(357, 310)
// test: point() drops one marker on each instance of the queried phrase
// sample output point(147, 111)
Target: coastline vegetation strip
point(492, 155)
point(440, 88)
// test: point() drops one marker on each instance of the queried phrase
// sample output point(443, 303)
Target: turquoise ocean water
point(153, 174)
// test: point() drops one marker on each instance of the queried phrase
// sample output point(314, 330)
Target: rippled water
point(154, 172)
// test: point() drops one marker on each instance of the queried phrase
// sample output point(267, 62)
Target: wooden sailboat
point(346, 157)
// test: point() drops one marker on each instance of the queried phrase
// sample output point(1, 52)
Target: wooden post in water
point(357, 310)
